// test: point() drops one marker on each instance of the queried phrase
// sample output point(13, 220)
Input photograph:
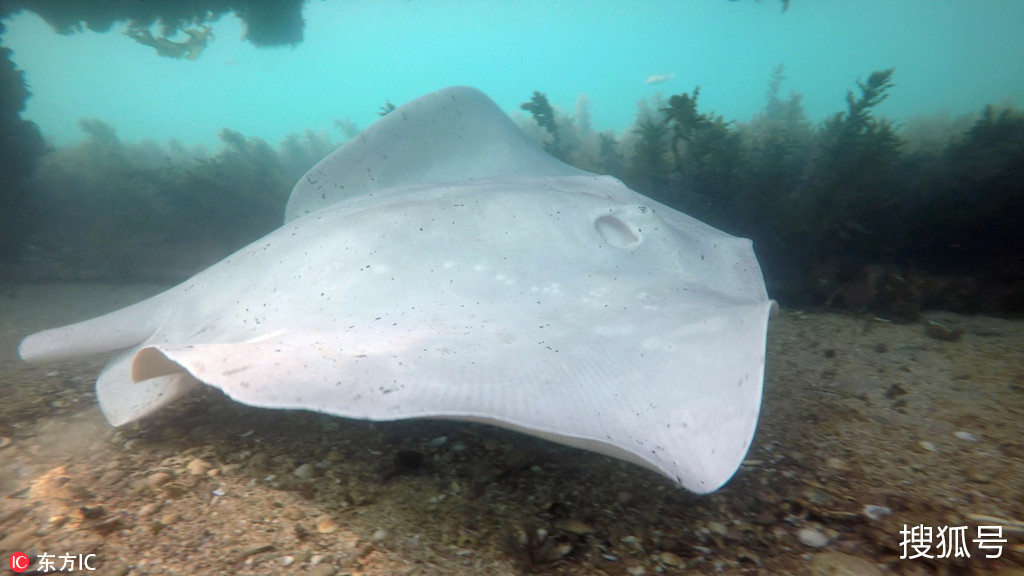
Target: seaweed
point(777, 147)
point(705, 156)
point(976, 186)
point(21, 147)
point(682, 114)
point(114, 211)
point(649, 169)
point(544, 115)
point(267, 22)
point(840, 214)
point(852, 195)
point(609, 157)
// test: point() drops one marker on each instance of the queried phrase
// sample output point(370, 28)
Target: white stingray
point(440, 265)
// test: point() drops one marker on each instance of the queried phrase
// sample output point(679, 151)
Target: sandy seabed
point(868, 429)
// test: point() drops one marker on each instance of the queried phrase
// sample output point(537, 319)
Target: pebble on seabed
point(812, 537)
point(839, 564)
point(158, 479)
point(111, 477)
point(326, 525)
point(305, 472)
point(322, 570)
point(876, 512)
point(149, 509)
point(671, 559)
point(574, 527)
point(197, 467)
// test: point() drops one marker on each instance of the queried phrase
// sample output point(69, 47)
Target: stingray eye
point(616, 232)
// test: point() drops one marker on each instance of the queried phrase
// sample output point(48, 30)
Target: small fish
point(658, 78)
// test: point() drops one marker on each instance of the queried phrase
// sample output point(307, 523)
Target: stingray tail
point(117, 330)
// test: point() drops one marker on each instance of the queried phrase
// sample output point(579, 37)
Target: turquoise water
point(950, 57)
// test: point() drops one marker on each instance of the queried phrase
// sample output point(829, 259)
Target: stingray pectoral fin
point(123, 400)
point(682, 397)
point(150, 362)
point(117, 330)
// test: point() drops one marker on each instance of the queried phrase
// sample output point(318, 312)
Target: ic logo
point(19, 561)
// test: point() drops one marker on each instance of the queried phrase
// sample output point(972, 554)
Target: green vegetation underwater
point(853, 212)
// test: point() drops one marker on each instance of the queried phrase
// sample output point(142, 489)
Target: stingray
point(441, 265)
